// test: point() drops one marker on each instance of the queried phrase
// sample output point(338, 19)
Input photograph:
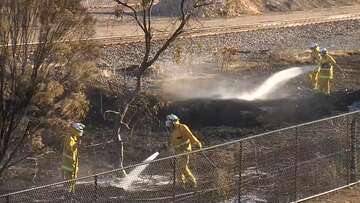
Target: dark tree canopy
point(43, 68)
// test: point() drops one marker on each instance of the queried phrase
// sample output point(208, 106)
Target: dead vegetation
point(61, 97)
point(130, 91)
point(43, 76)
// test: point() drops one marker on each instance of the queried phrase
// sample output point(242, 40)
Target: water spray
point(273, 82)
point(210, 87)
point(133, 176)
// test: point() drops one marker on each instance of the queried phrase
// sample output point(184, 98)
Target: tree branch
point(135, 16)
point(144, 15)
point(180, 29)
point(15, 150)
point(149, 16)
point(198, 4)
point(122, 115)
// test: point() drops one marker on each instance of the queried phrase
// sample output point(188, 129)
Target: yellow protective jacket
point(326, 69)
point(182, 138)
point(70, 152)
point(315, 55)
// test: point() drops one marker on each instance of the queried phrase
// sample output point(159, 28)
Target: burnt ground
point(300, 103)
point(350, 195)
point(212, 120)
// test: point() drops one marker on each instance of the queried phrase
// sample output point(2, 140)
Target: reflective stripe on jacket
point(326, 69)
point(182, 138)
point(70, 152)
point(315, 55)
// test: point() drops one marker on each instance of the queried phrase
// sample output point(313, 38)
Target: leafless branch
point(145, 23)
point(135, 14)
point(198, 4)
point(15, 149)
point(110, 111)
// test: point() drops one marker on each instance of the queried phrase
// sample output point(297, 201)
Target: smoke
point(203, 81)
point(274, 82)
point(192, 84)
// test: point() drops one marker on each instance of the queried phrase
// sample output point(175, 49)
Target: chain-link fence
point(279, 166)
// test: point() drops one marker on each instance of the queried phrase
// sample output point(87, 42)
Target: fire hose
point(211, 162)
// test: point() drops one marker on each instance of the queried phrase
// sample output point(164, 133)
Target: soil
point(109, 26)
point(232, 7)
point(291, 5)
point(348, 195)
point(277, 111)
point(234, 119)
point(247, 7)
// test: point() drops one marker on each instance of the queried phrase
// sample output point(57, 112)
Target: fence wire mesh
point(280, 166)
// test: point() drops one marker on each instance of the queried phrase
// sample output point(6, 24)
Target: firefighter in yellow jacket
point(326, 71)
point(181, 142)
point(70, 163)
point(315, 57)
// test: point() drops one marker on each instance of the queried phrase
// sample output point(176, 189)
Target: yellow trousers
point(314, 79)
point(324, 85)
point(183, 172)
point(68, 175)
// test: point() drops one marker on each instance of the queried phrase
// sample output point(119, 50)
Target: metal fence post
point(239, 170)
point(174, 178)
point(296, 162)
point(353, 168)
point(348, 150)
point(96, 188)
point(355, 147)
point(7, 199)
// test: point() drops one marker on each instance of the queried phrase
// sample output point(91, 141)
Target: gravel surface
point(335, 36)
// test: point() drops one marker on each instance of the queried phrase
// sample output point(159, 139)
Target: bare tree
point(34, 58)
point(142, 15)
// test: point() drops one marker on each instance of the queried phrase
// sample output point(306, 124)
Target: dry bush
point(224, 174)
point(289, 57)
point(62, 96)
point(142, 114)
point(238, 7)
point(223, 182)
point(43, 75)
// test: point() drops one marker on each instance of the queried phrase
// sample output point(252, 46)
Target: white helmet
point(78, 126)
point(323, 51)
point(313, 45)
point(171, 119)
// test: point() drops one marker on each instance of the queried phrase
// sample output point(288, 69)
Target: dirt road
point(108, 26)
